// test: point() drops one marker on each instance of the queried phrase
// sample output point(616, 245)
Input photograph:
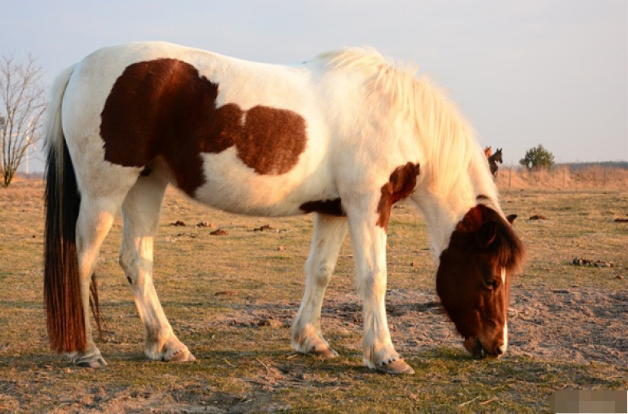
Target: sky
point(548, 72)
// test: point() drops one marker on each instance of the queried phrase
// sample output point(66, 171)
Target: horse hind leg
point(140, 212)
point(93, 224)
point(329, 232)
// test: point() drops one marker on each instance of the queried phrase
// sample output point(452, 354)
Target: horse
point(344, 135)
point(493, 160)
point(488, 152)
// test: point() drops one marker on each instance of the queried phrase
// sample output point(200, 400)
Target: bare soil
point(581, 325)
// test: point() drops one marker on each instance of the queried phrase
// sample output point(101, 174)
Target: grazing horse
point(344, 135)
point(493, 160)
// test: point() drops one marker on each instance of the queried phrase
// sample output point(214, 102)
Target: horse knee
point(372, 283)
point(321, 274)
point(126, 261)
point(131, 264)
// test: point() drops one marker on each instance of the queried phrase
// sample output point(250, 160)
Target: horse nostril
point(501, 350)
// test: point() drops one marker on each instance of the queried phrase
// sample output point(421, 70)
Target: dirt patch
point(576, 325)
point(185, 403)
point(571, 325)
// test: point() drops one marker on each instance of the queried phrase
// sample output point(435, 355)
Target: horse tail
point(65, 316)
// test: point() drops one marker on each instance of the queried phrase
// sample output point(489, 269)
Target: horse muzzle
point(479, 350)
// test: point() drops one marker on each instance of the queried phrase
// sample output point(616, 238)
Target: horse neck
point(454, 170)
point(443, 210)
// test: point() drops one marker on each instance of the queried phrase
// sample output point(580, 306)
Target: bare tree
point(23, 104)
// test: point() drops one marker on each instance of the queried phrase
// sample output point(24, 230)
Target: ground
point(231, 299)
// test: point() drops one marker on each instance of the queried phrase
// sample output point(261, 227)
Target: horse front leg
point(329, 233)
point(140, 212)
point(368, 234)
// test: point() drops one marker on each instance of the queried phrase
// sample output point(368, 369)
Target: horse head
point(473, 279)
point(498, 156)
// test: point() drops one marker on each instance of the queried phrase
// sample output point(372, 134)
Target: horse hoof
point(326, 353)
point(98, 363)
point(182, 356)
point(396, 367)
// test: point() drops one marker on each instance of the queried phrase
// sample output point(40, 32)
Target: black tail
point(65, 318)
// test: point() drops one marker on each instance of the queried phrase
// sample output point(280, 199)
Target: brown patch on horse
point(399, 186)
point(329, 207)
point(271, 140)
point(165, 109)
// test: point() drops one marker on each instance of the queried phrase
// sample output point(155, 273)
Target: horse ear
point(511, 218)
point(487, 233)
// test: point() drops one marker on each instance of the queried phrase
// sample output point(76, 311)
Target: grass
point(217, 290)
point(579, 224)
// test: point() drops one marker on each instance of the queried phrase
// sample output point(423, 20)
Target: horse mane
point(452, 160)
point(393, 79)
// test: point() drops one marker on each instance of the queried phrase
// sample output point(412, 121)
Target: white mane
point(452, 155)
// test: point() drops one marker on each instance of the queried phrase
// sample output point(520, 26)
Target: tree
point(23, 104)
point(537, 158)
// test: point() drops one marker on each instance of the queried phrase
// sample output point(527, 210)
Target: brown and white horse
point(345, 136)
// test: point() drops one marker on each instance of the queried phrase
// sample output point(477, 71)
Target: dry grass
point(562, 178)
point(231, 300)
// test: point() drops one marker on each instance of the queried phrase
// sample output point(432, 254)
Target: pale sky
point(525, 72)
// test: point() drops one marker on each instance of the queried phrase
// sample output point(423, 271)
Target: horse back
point(241, 136)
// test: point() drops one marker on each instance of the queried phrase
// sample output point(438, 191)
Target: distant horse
point(488, 152)
point(493, 160)
point(345, 136)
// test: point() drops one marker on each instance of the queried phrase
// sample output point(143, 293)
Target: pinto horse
point(344, 135)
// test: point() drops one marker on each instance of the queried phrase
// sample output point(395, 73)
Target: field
point(231, 299)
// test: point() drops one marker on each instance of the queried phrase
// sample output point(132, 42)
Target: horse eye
point(490, 283)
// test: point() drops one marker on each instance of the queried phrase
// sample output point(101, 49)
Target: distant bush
point(537, 158)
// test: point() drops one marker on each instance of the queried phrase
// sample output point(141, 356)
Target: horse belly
point(232, 186)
